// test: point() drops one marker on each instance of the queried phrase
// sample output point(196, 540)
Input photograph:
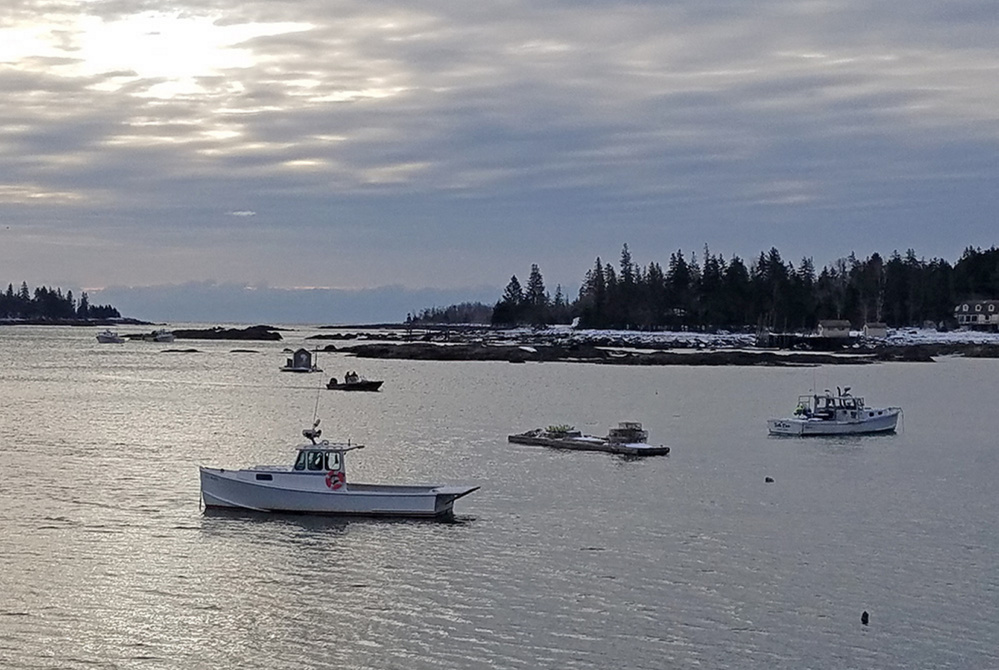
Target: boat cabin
point(828, 406)
point(316, 459)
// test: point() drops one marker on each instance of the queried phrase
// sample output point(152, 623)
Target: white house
point(978, 314)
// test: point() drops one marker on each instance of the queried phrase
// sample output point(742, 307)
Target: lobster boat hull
point(271, 490)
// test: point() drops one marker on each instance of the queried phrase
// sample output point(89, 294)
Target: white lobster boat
point(839, 414)
point(317, 484)
point(109, 336)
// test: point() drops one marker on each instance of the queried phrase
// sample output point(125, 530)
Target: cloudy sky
point(249, 148)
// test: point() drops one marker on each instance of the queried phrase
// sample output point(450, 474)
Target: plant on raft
point(560, 430)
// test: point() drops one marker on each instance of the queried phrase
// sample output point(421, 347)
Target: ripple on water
point(576, 561)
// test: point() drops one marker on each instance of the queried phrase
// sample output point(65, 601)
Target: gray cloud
point(428, 144)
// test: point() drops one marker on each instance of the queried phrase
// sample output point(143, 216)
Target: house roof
point(972, 304)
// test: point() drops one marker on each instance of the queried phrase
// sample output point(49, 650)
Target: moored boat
point(353, 382)
point(628, 438)
point(835, 414)
point(109, 337)
point(316, 483)
point(161, 335)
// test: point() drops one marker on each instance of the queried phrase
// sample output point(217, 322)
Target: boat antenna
point(314, 432)
point(319, 391)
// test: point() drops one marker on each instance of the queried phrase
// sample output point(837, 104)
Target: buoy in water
point(865, 618)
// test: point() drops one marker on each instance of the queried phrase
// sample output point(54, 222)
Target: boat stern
point(785, 426)
point(446, 495)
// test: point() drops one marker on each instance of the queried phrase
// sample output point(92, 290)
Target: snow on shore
point(910, 336)
point(725, 340)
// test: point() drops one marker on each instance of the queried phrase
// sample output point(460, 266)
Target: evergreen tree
point(83, 310)
point(678, 278)
point(592, 301)
point(508, 309)
point(536, 298)
point(738, 292)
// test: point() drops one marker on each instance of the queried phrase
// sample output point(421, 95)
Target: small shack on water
point(300, 361)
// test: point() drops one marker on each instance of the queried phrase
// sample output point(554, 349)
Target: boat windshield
point(317, 460)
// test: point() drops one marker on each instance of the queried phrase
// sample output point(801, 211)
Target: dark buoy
point(769, 480)
point(865, 617)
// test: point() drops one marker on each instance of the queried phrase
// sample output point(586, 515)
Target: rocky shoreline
point(258, 333)
point(589, 353)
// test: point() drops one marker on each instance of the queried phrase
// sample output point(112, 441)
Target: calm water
point(561, 560)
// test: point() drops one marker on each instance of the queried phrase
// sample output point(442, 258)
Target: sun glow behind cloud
point(177, 49)
point(492, 122)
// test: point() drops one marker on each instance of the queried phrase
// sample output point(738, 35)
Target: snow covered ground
point(565, 335)
point(723, 340)
point(906, 336)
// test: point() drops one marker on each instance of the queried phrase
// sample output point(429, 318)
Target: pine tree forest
point(709, 292)
point(50, 304)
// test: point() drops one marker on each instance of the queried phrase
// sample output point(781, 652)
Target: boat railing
point(324, 445)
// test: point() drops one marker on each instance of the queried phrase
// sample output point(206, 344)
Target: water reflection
point(566, 560)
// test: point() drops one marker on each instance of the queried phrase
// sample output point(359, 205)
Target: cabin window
point(316, 460)
point(333, 461)
point(300, 461)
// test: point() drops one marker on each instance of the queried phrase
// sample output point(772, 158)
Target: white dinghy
point(317, 484)
point(839, 414)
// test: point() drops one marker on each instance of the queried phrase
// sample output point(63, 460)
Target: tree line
point(711, 292)
point(45, 303)
point(466, 312)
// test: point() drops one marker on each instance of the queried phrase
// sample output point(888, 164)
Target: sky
point(336, 161)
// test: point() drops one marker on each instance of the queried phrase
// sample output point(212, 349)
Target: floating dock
point(627, 439)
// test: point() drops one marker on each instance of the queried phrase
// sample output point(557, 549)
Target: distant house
point(978, 314)
point(876, 330)
point(834, 328)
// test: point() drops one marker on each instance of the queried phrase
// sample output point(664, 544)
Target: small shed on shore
point(834, 328)
point(876, 330)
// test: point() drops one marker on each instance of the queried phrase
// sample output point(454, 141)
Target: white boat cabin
point(319, 458)
point(828, 406)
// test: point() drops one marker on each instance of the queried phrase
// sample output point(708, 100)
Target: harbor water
point(560, 560)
